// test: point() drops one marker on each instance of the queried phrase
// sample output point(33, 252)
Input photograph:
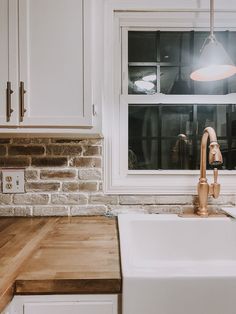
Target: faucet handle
point(215, 187)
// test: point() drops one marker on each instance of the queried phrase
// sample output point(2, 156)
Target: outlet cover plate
point(13, 181)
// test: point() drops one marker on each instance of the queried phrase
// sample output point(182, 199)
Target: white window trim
point(117, 178)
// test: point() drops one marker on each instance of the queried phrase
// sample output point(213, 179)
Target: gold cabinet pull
point(22, 101)
point(9, 91)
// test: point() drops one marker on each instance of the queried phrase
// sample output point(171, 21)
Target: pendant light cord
point(212, 36)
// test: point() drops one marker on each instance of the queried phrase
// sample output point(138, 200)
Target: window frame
point(117, 178)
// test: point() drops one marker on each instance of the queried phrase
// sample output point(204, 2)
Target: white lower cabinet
point(65, 304)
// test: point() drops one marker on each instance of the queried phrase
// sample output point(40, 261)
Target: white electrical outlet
point(13, 180)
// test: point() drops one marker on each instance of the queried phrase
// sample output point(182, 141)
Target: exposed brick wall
point(64, 177)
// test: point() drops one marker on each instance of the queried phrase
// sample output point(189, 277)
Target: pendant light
point(214, 62)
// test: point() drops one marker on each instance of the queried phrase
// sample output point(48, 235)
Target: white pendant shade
point(214, 63)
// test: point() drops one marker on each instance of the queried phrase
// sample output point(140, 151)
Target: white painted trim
point(117, 178)
point(172, 19)
point(18, 302)
point(13, 59)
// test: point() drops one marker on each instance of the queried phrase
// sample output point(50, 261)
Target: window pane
point(212, 115)
point(176, 53)
point(177, 120)
point(233, 157)
point(143, 154)
point(233, 119)
point(142, 80)
point(177, 153)
point(142, 46)
point(143, 132)
point(175, 80)
point(209, 88)
point(168, 137)
point(175, 47)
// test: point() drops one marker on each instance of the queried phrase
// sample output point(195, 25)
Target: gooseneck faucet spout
point(215, 160)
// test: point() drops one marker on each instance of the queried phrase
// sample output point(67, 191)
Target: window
point(159, 113)
point(160, 61)
point(168, 136)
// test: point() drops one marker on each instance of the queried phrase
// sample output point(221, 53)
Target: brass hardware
point(8, 94)
point(210, 215)
point(22, 101)
point(215, 159)
point(94, 110)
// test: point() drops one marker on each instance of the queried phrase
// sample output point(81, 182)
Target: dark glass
point(142, 46)
point(233, 157)
point(210, 88)
point(142, 80)
point(168, 76)
point(143, 121)
point(176, 58)
point(175, 47)
point(177, 153)
point(214, 116)
point(175, 80)
point(234, 143)
point(177, 120)
point(143, 154)
point(143, 132)
point(170, 47)
point(233, 120)
point(167, 137)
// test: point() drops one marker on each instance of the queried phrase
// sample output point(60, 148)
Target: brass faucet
point(215, 160)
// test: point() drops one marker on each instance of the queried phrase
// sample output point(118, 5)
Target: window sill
point(166, 182)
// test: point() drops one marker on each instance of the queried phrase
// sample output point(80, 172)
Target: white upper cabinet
point(53, 81)
point(8, 63)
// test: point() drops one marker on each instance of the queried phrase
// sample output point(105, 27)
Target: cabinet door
point(69, 308)
point(54, 63)
point(8, 63)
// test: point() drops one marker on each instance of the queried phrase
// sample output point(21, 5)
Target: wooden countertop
point(58, 255)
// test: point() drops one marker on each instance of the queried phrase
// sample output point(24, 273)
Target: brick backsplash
point(63, 177)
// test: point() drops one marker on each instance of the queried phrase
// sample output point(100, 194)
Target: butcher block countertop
point(58, 256)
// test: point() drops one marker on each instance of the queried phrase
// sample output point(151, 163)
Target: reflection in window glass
point(175, 47)
point(173, 56)
point(142, 80)
point(143, 134)
point(175, 80)
point(234, 154)
point(176, 120)
point(214, 116)
point(142, 46)
point(211, 88)
point(233, 120)
point(177, 152)
point(168, 136)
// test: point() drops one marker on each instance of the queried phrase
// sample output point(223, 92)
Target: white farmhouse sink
point(174, 265)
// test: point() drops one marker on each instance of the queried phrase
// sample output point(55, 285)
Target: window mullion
point(124, 62)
